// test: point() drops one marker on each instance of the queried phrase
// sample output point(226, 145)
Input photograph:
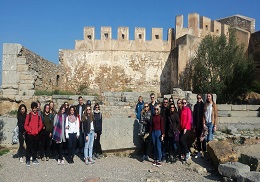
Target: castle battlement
point(123, 41)
point(199, 26)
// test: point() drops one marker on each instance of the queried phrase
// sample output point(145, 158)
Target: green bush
point(55, 92)
point(256, 86)
point(13, 112)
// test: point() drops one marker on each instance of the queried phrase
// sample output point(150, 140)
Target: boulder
point(251, 176)
point(221, 152)
point(233, 169)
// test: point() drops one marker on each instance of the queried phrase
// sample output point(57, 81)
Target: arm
point(26, 124)
point(77, 124)
point(215, 117)
point(40, 124)
point(162, 126)
point(67, 128)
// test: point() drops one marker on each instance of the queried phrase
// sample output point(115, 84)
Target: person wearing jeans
point(90, 135)
point(157, 130)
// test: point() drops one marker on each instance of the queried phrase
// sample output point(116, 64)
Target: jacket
point(198, 115)
point(138, 109)
point(98, 121)
point(146, 119)
point(33, 124)
point(20, 122)
point(173, 124)
point(185, 118)
point(86, 125)
point(214, 114)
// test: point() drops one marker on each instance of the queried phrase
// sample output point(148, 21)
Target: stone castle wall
point(24, 72)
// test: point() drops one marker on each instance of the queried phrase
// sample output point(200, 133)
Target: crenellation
point(89, 33)
point(205, 23)
point(157, 34)
point(193, 23)
point(140, 34)
point(216, 27)
point(106, 33)
point(123, 33)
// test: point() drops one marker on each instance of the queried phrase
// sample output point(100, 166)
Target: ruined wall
point(254, 50)
point(118, 65)
point(24, 72)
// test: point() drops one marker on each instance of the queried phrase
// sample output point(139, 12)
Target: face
point(152, 98)
point(156, 110)
point(39, 105)
point(66, 104)
point(140, 99)
point(172, 108)
point(88, 110)
point(199, 99)
point(184, 102)
point(96, 108)
point(51, 105)
point(146, 107)
point(23, 110)
point(170, 100)
point(209, 97)
point(80, 101)
point(63, 110)
point(47, 109)
point(165, 103)
point(179, 103)
point(34, 110)
point(72, 111)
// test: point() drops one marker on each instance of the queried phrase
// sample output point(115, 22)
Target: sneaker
point(28, 164)
point(87, 162)
point(21, 159)
point(43, 159)
point(31, 158)
point(92, 161)
point(154, 163)
point(59, 162)
point(35, 162)
point(158, 164)
point(47, 158)
point(199, 155)
point(62, 162)
point(187, 157)
point(143, 158)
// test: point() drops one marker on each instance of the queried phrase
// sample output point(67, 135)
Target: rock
point(91, 180)
point(233, 169)
point(200, 170)
point(221, 152)
point(252, 176)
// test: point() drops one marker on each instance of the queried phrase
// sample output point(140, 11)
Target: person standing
point(198, 112)
point(210, 117)
point(152, 103)
point(21, 116)
point(90, 135)
point(165, 114)
point(32, 126)
point(97, 149)
point(185, 122)
point(52, 108)
point(80, 109)
point(157, 130)
point(138, 108)
point(58, 135)
point(72, 133)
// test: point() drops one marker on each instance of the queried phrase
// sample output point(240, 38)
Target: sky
point(45, 26)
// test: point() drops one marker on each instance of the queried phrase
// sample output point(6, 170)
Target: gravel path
point(111, 168)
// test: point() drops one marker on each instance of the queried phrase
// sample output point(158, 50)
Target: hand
point(67, 127)
point(86, 138)
point(95, 135)
point(215, 128)
point(50, 135)
point(77, 136)
point(185, 130)
point(162, 138)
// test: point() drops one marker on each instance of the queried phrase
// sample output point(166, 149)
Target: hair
point(34, 105)
point(152, 94)
point(19, 110)
point(211, 97)
point(140, 97)
point(199, 95)
point(61, 107)
point(144, 107)
point(44, 109)
point(157, 106)
point(75, 112)
point(80, 97)
point(85, 114)
point(165, 99)
point(172, 104)
point(96, 104)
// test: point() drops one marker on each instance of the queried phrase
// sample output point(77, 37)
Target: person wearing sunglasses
point(179, 106)
point(173, 132)
point(97, 149)
point(165, 112)
point(145, 129)
point(157, 130)
point(198, 112)
point(152, 103)
point(185, 122)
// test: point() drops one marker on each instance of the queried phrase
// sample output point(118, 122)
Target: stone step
point(252, 120)
point(238, 113)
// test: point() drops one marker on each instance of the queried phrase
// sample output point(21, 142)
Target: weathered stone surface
point(229, 120)
point(233, 169)
point(224, 107)
point(251, 176)
point(253, 107)
point(221, 152)
point(238, 107)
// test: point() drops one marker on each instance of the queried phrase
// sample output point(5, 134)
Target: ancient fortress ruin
point(139, 65)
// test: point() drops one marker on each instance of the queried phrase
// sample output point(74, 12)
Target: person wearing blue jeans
point(157, 130)
point(90, 134)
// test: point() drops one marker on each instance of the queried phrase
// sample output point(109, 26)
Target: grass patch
point(227, 131)
point(13, 112)
point(4, 151)
point(50, 93)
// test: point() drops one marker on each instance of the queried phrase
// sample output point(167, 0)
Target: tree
point(222, 67)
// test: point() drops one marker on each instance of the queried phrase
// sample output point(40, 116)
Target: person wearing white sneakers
point(21, 116)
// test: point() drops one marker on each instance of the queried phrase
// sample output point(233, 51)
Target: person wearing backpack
point(46, 133)
point(33, 126)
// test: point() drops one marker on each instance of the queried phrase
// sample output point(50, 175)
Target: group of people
point(171, 128)
point(49, 132)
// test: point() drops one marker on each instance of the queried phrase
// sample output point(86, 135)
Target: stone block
point(221, 152)
point(224, 107)
point(224, 113)
point(7, 92)
point(11, 48)
point(9, 77)
point(232, 169)
point(26, 77)
point(237, 120)
point(244, 113)
point(238, 107)
point(31, 92)
point(250, 155)
point(22, 67)
point(9, 62)
point(251, 176)
point(21, 61)
point(253, 107)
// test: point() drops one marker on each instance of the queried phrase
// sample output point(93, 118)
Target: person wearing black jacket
point(90, 134)
point(173, 126)
point(80, 109)
point(165, 114)
point(198, 123)
point(21, 116)
point(97, 149)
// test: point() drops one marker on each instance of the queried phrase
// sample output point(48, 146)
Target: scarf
point(57, 131)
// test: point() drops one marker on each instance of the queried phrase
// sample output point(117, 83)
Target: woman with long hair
point(58, 135)
point(90, 134)
point(210, 117)
point(157, 130)
point(97, 149)
point(21, 116)
point(72, 132)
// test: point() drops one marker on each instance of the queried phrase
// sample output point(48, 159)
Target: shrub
point(2, 137)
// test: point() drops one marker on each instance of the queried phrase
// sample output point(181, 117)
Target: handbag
point(176, 136)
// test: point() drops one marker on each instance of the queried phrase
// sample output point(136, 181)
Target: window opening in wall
point(106, 35)
point(206, 27)
point(89, 37)
point(140, 36)
point(157, 36)
point(57, 80)
point(217, 30)
point(123, 36)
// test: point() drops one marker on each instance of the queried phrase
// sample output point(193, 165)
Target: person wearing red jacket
point(33, 126)
point(185, 122)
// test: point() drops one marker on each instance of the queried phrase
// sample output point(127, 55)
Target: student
point(90, 135)
point(21, 116)
point(46, 133)
point(59, 132)
point(138, 108)
point(80, 109)
point(152, 103)
point(52, 108)
point(72, 133)
point(97, 149)
point(32, 126)
point(165, 112)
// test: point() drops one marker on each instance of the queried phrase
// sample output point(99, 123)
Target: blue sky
point(45, 26)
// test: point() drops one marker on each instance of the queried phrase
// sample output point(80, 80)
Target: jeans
point(45, 144)
point(172, 146)
point(59, 147)
point(156, 137)
point(209, 137)
point(71, 145)
point(185, 141)
point(88, 149)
